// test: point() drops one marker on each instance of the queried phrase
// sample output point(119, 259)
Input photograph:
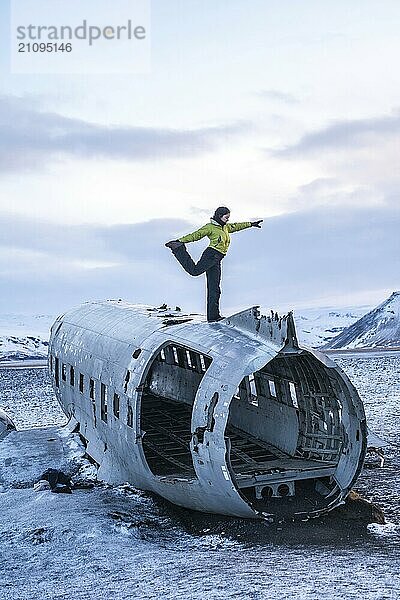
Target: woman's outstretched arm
point(196, 235)
point(232, 227)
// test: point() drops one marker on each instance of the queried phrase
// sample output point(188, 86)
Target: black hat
point(221, 210)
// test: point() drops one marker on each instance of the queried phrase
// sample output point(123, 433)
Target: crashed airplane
point(234, 417)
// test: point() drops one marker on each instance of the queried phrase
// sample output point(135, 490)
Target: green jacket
point(219, 236)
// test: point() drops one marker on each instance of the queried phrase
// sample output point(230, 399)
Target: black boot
point(174, 244)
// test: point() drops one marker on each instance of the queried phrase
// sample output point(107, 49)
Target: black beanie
point(221, 210)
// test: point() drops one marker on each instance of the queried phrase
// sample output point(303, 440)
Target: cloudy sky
point(281, 110)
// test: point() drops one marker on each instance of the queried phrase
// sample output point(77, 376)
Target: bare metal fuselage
point(231, 417)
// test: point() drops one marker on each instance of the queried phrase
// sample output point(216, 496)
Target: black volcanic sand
point(117, 542)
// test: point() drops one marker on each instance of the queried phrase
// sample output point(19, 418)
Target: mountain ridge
point(25, 337)
point(379, 328)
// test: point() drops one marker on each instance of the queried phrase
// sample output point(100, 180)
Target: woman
point(217, 231)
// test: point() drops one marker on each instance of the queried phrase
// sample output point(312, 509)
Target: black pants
point(210, 264)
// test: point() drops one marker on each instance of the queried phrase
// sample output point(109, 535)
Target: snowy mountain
point(317, 326)
point(24, 337)
point(378, 328)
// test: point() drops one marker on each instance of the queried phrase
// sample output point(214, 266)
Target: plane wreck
point(6, 424)
point(233, 417)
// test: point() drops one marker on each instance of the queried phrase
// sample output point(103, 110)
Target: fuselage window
point(195, 362)
point(130, 416)
point(81, 378)
point(127, 378)
point(272, 388)
point(189, 359)
point(57, 372)
point(64, 372)
point(116, 406)
point(253, 390)
point(72, 376)
point(175, 354)
point(205, 362)
point(293, 394)
point(103, 402)
point(92, 397)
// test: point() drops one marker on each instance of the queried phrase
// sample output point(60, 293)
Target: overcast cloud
point(30, 137)
point(120, 164)
point(346, 135)
point(278, 96)
point(298, 259)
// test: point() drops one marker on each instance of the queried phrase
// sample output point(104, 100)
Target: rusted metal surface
point(233, 417)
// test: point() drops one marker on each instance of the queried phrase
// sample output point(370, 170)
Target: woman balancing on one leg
point(217, 231)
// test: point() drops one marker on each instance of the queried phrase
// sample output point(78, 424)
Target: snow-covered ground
point(116, 542)
point(24, 336)
point(27, 397)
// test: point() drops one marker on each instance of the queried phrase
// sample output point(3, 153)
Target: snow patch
point(378, 328)
point(24, 337)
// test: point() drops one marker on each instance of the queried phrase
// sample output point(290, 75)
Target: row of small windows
point(259, 384)
point(68, 376)
point(182, 357)
point(170, 354)
point(250, 388)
